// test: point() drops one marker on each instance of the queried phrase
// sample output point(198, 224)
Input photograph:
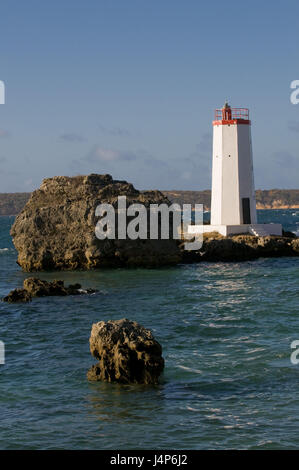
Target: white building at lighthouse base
point(258, 230)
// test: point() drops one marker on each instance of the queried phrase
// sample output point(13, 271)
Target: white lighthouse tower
point(233, 195)
point(233, 206)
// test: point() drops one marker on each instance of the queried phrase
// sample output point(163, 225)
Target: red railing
point(236, 113)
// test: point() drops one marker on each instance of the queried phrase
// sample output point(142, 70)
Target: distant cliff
point(265, 199)
point(277, 199)
point(13, 203)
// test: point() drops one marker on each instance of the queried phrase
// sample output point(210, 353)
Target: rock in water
point(34, 287)
point(38, 288)
point(18, 295)
point(126, 351)
point(56, 228)
point(241, 247)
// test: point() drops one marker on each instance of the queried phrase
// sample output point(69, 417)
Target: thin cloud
point(281, 168)
point(192, 170)
point(115, 131)
point(205, 144)
point(72, 138)
point(285, 159)
point(28, 183)
point(293, 126)
point(4, 133)
point(199, 162)
point(103, 154)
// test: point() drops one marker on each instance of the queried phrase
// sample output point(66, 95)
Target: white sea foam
point(3, 249)
point(192, 409)
point(252, 351)
point(189, 369)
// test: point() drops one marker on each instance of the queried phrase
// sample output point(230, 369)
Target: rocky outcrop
point(56, 228)
point(242, 248)
point(34, 287)
point(295, 246)
point(56, 231)
point(126, 351)
point(18, 295)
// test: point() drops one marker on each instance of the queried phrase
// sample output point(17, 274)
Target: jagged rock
point(295, 246)
point(38, 288)
point(56, 228)
point(241, 248)
point(288, 234)
point(126, 351)
point(18, 295)
point(34, 287)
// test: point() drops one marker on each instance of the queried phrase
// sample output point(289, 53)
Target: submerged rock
point(126, 351)
point(18, 295)
point(34, 287)
point(56, 228)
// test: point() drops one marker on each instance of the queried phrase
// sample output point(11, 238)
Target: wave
point(189, 369)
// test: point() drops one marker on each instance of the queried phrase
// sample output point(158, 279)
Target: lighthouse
point(233, 205)
point(233, 195)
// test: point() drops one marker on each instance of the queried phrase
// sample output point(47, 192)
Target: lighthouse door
point(246, 210)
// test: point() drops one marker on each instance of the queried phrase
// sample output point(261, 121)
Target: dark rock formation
point(295, 246)
point(126, 351)
point(18, 295)
point(33, 287)
point(286, 233)
point(56, 228)
point(242, 248)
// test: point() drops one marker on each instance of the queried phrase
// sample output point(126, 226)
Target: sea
point(226, 331)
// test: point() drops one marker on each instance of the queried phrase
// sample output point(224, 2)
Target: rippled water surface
point(225, 328)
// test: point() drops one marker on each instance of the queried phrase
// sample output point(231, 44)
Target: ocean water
point(225, 328)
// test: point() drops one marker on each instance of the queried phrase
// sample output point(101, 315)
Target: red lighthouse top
point(228, 115)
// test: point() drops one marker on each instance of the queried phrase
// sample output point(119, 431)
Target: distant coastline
point(265, 199)
point(12, 203)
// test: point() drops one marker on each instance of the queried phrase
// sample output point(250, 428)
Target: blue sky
point(128, 87)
